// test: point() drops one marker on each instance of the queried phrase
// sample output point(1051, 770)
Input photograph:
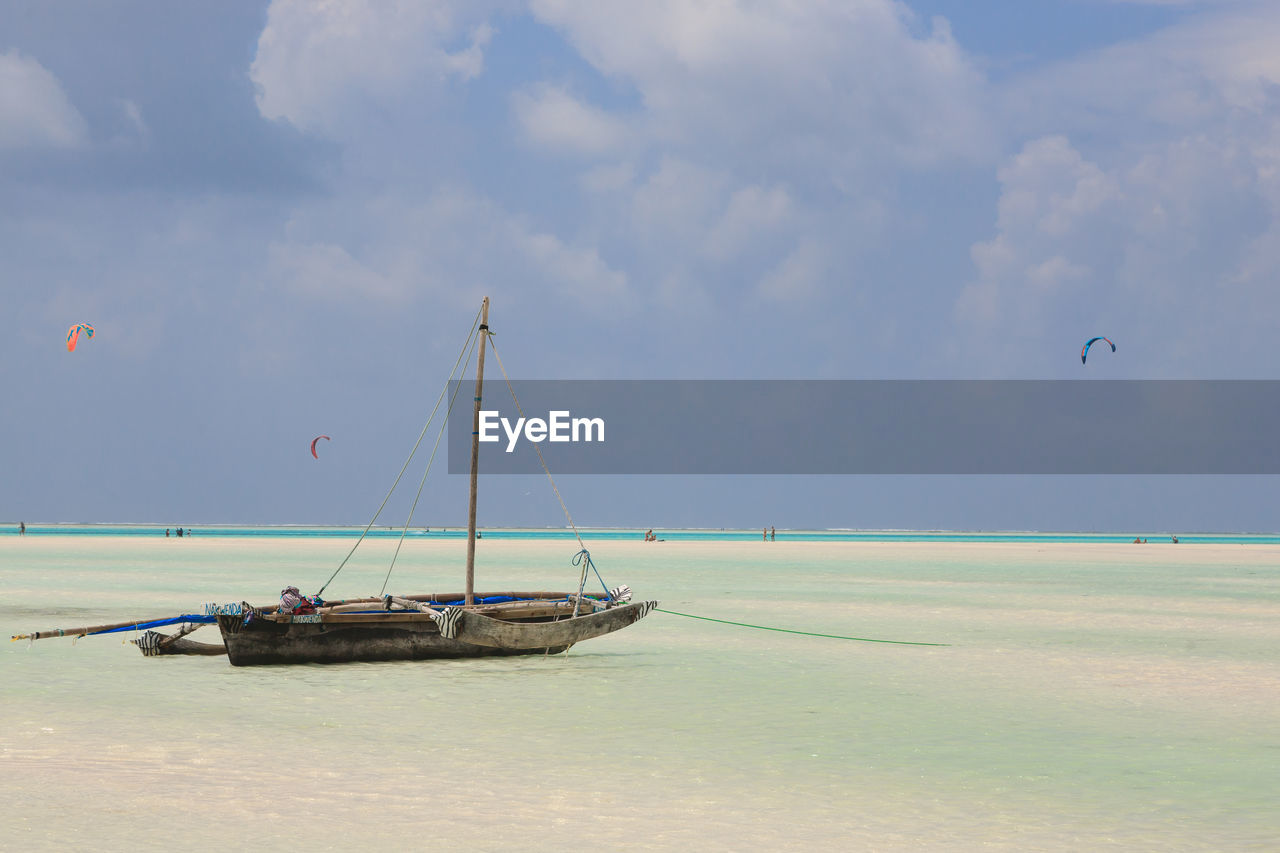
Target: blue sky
point(280, 217)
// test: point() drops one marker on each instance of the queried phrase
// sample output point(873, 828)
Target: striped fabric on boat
point(448, 622)
point(149, 643)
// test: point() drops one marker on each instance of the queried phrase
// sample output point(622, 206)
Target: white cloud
point(320, 61)
point(490, 245)
point(130, 131)
point(450, 246)
point(724, 133)
point(1056, 271)
point(1049, 188)
point(34, 110)
point(1058, 216)
point(676, 291)
point(1192, 74)
point(578, 272)
point(1169, 2)
point(553, 118)
point(134, 115)
point(752, 212)
point(797, 277)
point(842, 81)
point(465, 239)
point(1170, 247)
point(676, 205)
point(742, 127)
point(329, 272)
point(1163, 232)
point(608, 178)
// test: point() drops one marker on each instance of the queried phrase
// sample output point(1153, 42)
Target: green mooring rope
point(805, 633)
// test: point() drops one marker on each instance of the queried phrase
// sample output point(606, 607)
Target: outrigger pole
point(147, 623)
point(92, 629)
point(475, 455)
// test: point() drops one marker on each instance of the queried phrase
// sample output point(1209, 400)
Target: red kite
point(73, 335)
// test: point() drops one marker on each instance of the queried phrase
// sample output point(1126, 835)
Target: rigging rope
point(466, 348)
point(790, 631)
point(585, 555)
point(538, 449)
point(582, 581)
point(435, 447)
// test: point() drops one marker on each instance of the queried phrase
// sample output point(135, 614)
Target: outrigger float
point(308, 629)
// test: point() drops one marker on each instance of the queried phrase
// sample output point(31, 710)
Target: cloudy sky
point(281, 216)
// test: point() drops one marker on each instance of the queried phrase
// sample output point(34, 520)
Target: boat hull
point(481, 630)
point(271, 643)
point(412, 636)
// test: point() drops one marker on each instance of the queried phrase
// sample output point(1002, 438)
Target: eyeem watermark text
point(784, 426)
point(559, 426)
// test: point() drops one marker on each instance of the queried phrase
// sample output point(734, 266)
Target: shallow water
point(1091, 695)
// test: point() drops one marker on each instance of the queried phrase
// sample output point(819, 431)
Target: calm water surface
point(1091, 695)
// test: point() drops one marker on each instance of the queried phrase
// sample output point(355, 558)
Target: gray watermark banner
point(871, 427)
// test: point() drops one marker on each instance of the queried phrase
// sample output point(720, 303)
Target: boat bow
point(481, 630)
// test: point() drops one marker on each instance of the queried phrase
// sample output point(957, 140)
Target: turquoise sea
point(682, 534)
point(1092, 694)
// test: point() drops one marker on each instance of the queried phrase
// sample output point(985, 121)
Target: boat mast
point(475, 456)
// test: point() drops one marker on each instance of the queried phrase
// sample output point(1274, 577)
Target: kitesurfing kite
point(313, 443)
point(1084, 352)
point(73, 335)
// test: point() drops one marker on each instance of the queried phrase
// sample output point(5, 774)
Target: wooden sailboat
point(417, 627)
point(412, 627)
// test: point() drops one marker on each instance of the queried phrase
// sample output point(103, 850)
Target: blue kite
point(1084, 352)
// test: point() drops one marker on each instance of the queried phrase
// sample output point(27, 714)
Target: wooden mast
point(475, 456)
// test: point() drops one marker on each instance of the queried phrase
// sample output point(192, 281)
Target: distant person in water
point(773, 534)
point(1175, 540)
point(764, 534)
point(166, 533)
point(179, 532)
point(22, 528)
